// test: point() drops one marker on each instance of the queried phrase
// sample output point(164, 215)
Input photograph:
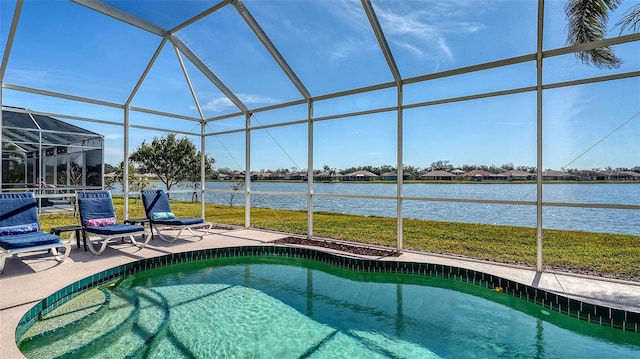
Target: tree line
point(175, 160)
point(442, 165)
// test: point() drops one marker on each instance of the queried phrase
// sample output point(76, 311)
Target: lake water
point(569, 218)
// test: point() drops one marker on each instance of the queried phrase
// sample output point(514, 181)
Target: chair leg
point(168, 239)
point(3, 256)
point(205, 231)
point(162, 236)
point(93, 249)
point(133, 241)
point(146, 237)
point(136, 243)
point(192, 232)
point(65, 255)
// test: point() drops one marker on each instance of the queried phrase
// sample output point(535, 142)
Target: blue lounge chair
point(20, 229)
point(98, 218)
point(158, 211)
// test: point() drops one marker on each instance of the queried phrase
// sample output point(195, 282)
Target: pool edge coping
point(602, 315)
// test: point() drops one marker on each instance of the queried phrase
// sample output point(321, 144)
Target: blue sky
point(70, 49)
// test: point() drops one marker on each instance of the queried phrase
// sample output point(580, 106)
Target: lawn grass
point(611, 255)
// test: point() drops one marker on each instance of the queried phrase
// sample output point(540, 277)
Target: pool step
point(77, 314)
point(85, 334)
point(149, 327)
point(136, 320)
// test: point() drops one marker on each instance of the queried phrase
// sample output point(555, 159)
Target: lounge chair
point(20, 229)
point(98, 218)
point(158, 211)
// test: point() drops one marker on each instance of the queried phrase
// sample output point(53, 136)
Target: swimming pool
point(281, 307)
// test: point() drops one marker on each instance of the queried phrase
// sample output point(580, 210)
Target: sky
point(66, 48)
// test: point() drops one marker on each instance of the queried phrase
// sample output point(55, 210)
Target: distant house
point(481, 175)
point(360, 176)
point(146, 176)
point(297, 176)
point(389, 176)
point(236, 176)
point(552, 175)
point(629, 176)
point(614, 175)
point(515, 175)
point(457, 172)
point(327, 176)
point(587, 175)
point(438, 176)
point(257, 176)
point(393, 176)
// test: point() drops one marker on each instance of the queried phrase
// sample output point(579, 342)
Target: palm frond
point(631, 19)
point(587, 23)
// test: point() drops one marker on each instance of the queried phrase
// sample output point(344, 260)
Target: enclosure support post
point(203, 175)
point(40, 168)
point(125, 170)
point(310, 170)
point(247, 171)
point(539, 138)
point(400, 171)
point(202, 128)
point(1, 145)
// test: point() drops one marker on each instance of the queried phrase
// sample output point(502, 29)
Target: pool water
point(275, 307)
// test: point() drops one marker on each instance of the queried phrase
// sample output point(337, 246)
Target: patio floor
point(30, 278)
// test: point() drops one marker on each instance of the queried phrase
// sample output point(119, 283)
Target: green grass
point(612, 255)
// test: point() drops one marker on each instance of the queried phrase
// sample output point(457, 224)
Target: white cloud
point(222, 103)
point(425, 33)
point(350, 14)
point(26, 76)
point(113, 154)
point(113, 136)
point(442, 45)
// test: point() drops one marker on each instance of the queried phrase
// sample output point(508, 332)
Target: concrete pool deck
point(30, 278)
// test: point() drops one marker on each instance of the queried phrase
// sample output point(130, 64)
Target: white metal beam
point(397, 77)
point(60, 95)
point(118, 14)
point(539, 95)
point(247, 171)
point(203, 124)
point(310, 169)
point(200, 16)
point(9, 44)
point(382, 40)
point(125, 163)
point(271, 48)
point(208, 73)
point(146, 71)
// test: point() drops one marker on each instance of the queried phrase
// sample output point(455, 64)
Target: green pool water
point(275, 307)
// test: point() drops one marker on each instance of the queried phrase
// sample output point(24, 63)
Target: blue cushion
point(155, 201)
point(19, 229)
point(28, 240)
point(94, 208)
point(180, 221)
point(17, 211)
point(115, 229)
